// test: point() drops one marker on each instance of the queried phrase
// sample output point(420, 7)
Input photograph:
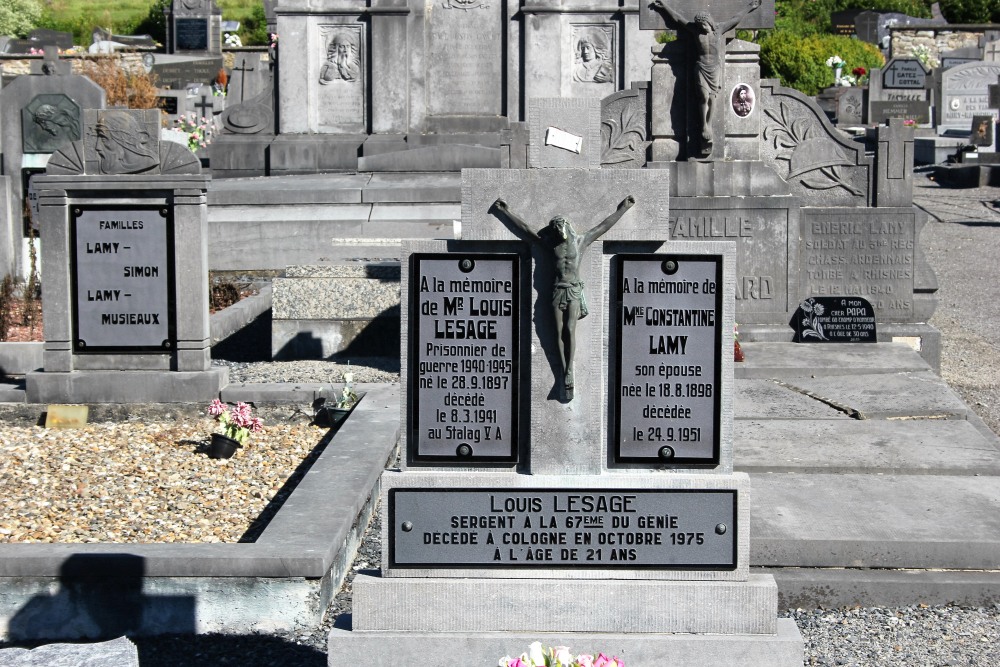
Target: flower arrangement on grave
point(238, 422)
point(198, 131)
point(837, 64)
point(923, 54)
point(221, 83)
point(274, 40)
point(233, 40)
point(558, 656)
point(860, 76)
point(909, 122)
point(347, 398)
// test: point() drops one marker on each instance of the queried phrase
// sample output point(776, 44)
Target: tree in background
point(800, 62)
point(19, 17)
point(971, 11)
point(253, 29)
point(155, 22)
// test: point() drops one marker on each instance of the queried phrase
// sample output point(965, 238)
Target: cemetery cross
point(569, 303)
point(243, 69)
point(203, 105)
point(708, 48)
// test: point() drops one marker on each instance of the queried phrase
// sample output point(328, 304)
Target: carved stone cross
point(207, 106)
point(50, 65)
point(243, 69)
point(720, 10)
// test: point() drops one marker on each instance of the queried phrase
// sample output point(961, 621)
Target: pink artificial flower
point(216, 407)
point(257, 425)
point(603, 661)
point(517, 662)
point(585, 660)
point(241, 415)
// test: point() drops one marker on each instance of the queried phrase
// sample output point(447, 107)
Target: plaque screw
point(466, 265)
point(407, 526)
point(666, 453)
point(721, 529)
point(77, 212)
point(669, 267)
point(464, 450)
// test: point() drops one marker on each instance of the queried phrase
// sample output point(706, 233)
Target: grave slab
point(876, 521)
point(387, 649)
point(791, 360)
point(766, 399)
point(118, 652)
point(916, 447)
point(899, 395)
point(402, 187)
point(496, 605)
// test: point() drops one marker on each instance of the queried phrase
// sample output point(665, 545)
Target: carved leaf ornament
point(813, 158)
point(625, 136)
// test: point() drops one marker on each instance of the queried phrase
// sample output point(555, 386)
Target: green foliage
point(810, 17)
point(800, 62)
point(154, 23)
point(971, 11)
point(19, 17)
point(253, 29)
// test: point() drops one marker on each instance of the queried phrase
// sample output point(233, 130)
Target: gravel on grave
point(148, 481)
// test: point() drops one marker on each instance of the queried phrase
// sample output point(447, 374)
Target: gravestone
point(842, 22)
point(899, 90)
point(195, 28)
point(132, 41)
point(124, 283)
point(965, 94)
point(533, 474)
point(850, 107)
point(47, 37)
point(41, 112)
point(176, 72)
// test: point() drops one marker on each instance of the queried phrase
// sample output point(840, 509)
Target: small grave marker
point(827, 319)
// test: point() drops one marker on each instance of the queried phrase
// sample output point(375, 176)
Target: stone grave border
point(287, 577)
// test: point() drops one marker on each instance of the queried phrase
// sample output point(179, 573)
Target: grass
point(122, 16)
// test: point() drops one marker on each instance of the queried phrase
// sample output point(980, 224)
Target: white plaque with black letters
point(668, 370)
point(122, 279)
point(463, 357)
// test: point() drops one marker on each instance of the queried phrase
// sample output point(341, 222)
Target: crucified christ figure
point(709, 51)
point(569, 303)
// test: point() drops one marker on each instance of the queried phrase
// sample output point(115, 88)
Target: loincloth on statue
point(564, 294)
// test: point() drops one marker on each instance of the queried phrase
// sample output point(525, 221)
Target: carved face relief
point(48, 122)
point(343, 62)
point(123, 144)
point(593, 54)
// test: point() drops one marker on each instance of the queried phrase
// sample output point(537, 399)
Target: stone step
point(850, 446)
point(322, 310)
point(388, 649)
point(875, 521)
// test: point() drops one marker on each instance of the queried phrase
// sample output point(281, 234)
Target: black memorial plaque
point(916, 110)
point(123, 280)
point(167, 104)
point(191, 34)
point(463, 357)
point(555, 528)
point(835, 319)
point(904, 73)
point(668, 327)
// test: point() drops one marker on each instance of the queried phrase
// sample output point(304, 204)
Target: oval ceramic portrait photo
point(742, 100)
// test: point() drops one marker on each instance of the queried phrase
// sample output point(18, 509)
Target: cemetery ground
point(961, 240)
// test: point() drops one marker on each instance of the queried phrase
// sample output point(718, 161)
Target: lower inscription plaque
point(463, 357)
point(668, 371)
point(579, 528)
